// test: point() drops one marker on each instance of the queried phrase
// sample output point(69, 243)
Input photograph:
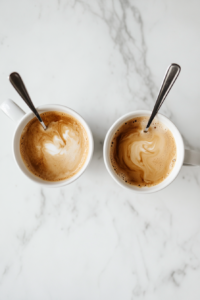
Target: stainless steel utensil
point(18, 84)
point(169, 79)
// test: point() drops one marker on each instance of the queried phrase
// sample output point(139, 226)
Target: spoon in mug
point(170, 77)
point(18, 84)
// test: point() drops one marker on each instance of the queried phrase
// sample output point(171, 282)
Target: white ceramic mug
point(12, 110)
point(184, 156)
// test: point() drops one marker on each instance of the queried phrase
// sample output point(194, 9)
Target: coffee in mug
point(143, 159)
point(57, 153)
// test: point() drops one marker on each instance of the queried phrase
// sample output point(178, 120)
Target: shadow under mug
point(184, 156)
point(12, 110)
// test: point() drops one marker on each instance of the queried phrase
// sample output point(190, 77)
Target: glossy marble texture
point(92, 239)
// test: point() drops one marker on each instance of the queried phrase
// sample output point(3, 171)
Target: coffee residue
point(143, 159)
point(57, 153)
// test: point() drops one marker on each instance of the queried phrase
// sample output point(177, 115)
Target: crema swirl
point(143, 159)
point(57, 153)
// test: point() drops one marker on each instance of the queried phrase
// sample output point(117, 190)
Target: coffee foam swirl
point(57, 153)
point(143, 159)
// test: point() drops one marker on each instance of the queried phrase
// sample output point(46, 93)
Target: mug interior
point(179, 149)
point(16, 144)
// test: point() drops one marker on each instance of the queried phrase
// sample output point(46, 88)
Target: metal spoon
point(170, 77)
point(18, 84)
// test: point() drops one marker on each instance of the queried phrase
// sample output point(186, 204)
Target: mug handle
point(192, 158)
point(12, 110)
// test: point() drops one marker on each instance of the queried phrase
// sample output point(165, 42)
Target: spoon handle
point(169, 79)
point(18, 84)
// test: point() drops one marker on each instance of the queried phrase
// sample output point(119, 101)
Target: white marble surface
point(92, 240)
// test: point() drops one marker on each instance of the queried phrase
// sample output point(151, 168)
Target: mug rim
point(70, 111)
point(106, 155)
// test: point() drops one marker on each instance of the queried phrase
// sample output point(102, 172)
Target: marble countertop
point(92, 239)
